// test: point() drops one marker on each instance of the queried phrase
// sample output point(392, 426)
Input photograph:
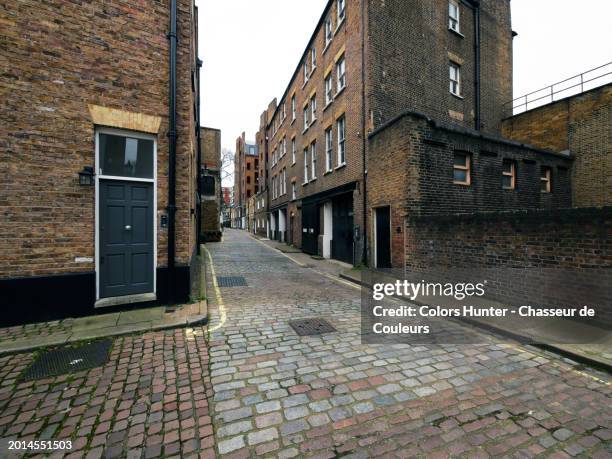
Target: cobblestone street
point(279, 394)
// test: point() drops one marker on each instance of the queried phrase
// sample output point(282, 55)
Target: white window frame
point(98, 177)
point(329, 31)
point(306, 124)
point(454, 71)
point(454, 20)
point(329, 149)
point(341, 11)
point(329, 88)
point(293, 150)
point(313, 108)
point(340, 74)
point(313, 161)
point(313, 59)
point(305, 166)
point(306, 74)
point(293, 109)
point(293, 191)
point(341, 133)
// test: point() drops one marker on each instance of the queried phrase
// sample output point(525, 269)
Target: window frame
point(306, 111)
point(340, 12)
point(546, 177)
point(313, 160)
point(454, 23)
point(341, 140)
point(467, 168)
point(329, 149)
point(305, 166)
point(511, 174)
point(313, 59)
point(293, 108)
point(329, 88)
point(329, 30)
point(293, 150)
point(313, 108)
point(452, 82)
point(340, 78)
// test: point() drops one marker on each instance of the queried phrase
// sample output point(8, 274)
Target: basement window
point(545, 179)
point(509, 174)
point(462, 169)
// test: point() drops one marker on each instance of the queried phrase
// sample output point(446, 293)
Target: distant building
point(246, 175)
point(210, 185)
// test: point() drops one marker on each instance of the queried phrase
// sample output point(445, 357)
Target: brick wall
point(410, 169)
point(211, 147)
point(210, 206)
point(581, 124)
point(408, 56)
point(555, 258)
point(57, 57)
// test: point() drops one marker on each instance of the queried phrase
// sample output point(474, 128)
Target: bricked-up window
point(455, 79)
point(293, 110)
point(313, 108)
point(329, 150)
point(313, 59)
point(508, 174)
point(329, 89)
point(305, 165)
point(341, 125)
point(545, 179)
point(453, 15)
point(341, 5)
point(305, 117)
point(341, 73)
point(462, 169)
point(329, 31)
point(293, 151)
point(313, 158)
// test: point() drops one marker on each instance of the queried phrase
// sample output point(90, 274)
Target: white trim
point(136, 135)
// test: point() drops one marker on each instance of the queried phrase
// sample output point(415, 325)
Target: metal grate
point(313, 326)
point(65, 360)
point(231, 281)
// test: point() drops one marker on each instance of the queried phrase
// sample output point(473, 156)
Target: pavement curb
point(565, 352)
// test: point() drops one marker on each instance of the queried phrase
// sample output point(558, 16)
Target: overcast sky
point(250, 49)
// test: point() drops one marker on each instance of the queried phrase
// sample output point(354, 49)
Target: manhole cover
point(231, 281)
point(315, 326)
point(68, 360)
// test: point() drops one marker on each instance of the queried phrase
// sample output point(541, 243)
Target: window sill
point(456, 32)
point(327, 172)
point(313, 180)
point(312, 122)
point(328, 104)
point(461, 183)
point(327, 46)
point(456, 95)
point(340, 24)
point(305, 130)
point(340, 91)
point(311, 72)
point(293, 121)
point(304, 183)
point(340, 166)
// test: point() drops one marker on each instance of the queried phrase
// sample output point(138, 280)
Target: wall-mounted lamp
point(86, 176)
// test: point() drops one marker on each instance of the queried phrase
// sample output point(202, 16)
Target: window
point(341, 74)
point(313, 59)
point(329, 150)
point(248, 166)
point(461, 169)
point(545, 179)
point(508, 174)
point(293, 191)
point(313, 158)
point(126, 156)
point(455, 79)
point(248, 179)
point(453, 15)
point(284, 146)
point(329, 31)
point(306, 117)
point(284, 181)
point(313, 107)
point(341, 11)
point(305, 165)
point(284, 112)
point(208, 185)
point(293, 151)
point(293, 112)
point(329, 95)
point(305, 72)
point(341, 143)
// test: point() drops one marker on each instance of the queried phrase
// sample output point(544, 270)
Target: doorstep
point(595, 354)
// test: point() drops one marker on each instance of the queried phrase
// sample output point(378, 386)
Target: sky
point(251, 48)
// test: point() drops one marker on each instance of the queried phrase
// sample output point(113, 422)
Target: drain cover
point(68, 360)
point(231, 281)
point(315, 326)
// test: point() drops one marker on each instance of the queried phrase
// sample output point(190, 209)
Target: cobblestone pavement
point(150, 400)
point(278, 394)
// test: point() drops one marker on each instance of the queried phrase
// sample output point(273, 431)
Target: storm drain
point(314, 326)
point(68, 360)
point(231, 281)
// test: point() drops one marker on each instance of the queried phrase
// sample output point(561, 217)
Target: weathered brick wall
point(408, 57)
point(410, 169)
point(56, 58)
point(211, 147)
point(555, 258)
point(583, 125)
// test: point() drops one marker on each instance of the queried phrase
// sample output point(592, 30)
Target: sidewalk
point(597, 354)
point(29, 337)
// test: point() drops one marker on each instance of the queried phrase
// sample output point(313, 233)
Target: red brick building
point(210, 187)
point(99, 152)
point(246, 175)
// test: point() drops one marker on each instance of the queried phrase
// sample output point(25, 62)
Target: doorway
point(383, 237)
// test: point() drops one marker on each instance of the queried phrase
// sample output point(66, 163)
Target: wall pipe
point(172, 136)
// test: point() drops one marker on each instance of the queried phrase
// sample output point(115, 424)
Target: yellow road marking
point(218, 296)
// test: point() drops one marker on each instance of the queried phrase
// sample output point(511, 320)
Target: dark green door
point(126, 238)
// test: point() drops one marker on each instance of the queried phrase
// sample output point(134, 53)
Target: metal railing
point(569, 87)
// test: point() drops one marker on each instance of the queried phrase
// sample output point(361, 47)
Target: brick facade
point(246, 175)
point(59, 59)
point(411, 170)
point(581, 124)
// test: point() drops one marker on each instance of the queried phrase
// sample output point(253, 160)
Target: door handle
point(128, 227)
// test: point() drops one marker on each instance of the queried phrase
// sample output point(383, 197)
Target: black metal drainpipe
point(172, 135)
point(364, 230)
point(477, 64)
point(198, 212)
